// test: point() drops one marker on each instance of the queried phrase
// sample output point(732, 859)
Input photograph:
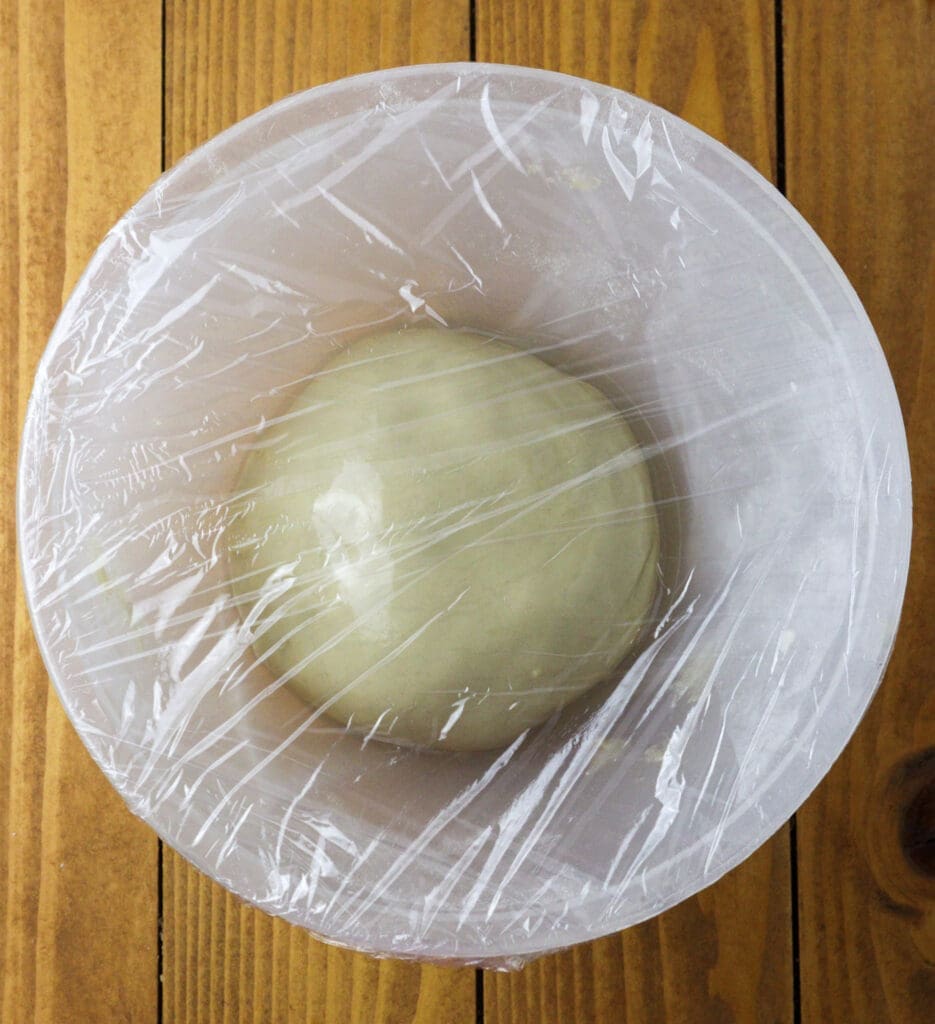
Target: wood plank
point(78, 874)
point(859, 84)
point(224, 961)
point(725, 955)
point(711, 64)
point(225, 61)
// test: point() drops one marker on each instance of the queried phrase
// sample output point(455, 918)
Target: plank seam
point(162, 111)
point(160, 925)
point(780, 101)
point(794, 896)
point(472, 30)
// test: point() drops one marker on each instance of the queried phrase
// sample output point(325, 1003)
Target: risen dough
point(444, 539)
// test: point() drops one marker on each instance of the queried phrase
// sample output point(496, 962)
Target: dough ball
point(444, 539)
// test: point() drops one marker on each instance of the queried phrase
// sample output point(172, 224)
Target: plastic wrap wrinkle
point(271, 324)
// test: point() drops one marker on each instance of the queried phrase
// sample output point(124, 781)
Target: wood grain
point(725, 955)
point(860, 77)
point(710, 63)
point(78, 874)
point(226, 60)
point(222, 961)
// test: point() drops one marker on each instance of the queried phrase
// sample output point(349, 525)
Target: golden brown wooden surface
point(227, 60)
point(77, 873)
point(725, 955)
point(81, 79)
point(224, 962)
point(711, 63)
point(722, 957)
point(860, 81)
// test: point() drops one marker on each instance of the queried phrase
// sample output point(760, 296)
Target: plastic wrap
point(628, 251)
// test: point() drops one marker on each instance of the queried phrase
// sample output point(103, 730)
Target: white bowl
point(629, 247)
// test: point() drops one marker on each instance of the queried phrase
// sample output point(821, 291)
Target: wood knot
point(917, 820)
point(900, 833)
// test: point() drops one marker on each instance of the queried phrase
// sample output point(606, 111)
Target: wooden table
point(831, 921)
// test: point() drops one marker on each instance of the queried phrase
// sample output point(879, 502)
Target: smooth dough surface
point(444, 539)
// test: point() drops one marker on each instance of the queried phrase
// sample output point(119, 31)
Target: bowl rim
point(780, 810)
